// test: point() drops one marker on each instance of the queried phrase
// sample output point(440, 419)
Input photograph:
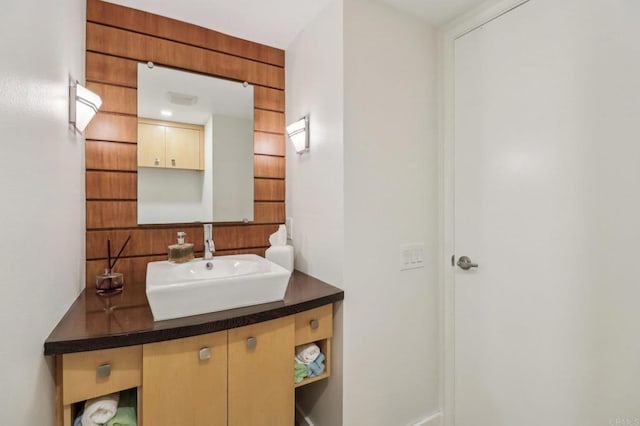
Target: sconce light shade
point(298, 132)
point(83, 105)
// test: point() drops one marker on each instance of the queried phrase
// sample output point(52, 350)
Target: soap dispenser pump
point(181, 252)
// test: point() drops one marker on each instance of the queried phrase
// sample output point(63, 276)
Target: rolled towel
point(307, 353)
point(316, 367)
point(126, 413)
point(299, 371)
point(98, 411)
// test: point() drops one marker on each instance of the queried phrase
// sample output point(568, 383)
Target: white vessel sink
point(202, 286)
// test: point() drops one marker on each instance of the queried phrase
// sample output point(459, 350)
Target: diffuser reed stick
point(109, 254)
point(111, 265)
point(110, 282)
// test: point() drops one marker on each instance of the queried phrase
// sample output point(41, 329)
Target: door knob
point(465, 263)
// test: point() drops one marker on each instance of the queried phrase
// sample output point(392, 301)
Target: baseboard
point(432, 420)
point(302, 418)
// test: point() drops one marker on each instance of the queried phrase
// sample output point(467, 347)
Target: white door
point(547, 202)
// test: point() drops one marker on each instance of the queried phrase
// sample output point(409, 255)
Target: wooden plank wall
point(118, 38)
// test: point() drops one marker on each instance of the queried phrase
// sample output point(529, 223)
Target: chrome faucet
point(209, 246)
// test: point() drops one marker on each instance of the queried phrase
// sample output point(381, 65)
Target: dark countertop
point(96, 322)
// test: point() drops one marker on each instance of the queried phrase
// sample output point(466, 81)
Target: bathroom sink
point(202, 286)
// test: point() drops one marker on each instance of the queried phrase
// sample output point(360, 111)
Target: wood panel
point(113, 127)
point(109, 69)
point(237, 237)
point(257, 251)
point(269, 190)
point(123, 100)
point(117, 39)
point(268, 212)
point(176, 380)
point(265, 166)
point(268, 121)
point(111, 185)
point(260, 395)
point(79, 379)
point(269, 143)
point(133, 268)
point(143, 241)
point(111, 214)
point(266, 98)
point(160, 26)
point(145, 48)
point(324, 326)
point(153, 241)
point(110, 156)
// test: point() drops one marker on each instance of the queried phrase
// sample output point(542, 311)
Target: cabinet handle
point(251, 342)
point(314, 324)
point(103, 370)
point(173, 162)
point(205, 354)
point(157, 161)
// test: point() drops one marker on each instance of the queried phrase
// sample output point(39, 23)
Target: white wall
point(315, 179)
point(315, 183)
point(42, 193)
point(386, 173)
point(391, 318)
point(232, 169)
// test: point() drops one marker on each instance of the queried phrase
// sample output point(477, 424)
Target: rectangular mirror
point(195, 147)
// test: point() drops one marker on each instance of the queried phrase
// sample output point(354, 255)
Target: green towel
point(299, 371)
point(126, 412)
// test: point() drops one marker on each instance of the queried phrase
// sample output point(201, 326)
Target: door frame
point(446, 132)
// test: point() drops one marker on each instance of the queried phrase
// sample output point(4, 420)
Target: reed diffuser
point(111, 282)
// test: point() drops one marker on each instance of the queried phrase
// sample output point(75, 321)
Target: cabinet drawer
point(315, 324)
point(89, 374)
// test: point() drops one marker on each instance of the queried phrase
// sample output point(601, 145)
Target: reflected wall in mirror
point(195, 148)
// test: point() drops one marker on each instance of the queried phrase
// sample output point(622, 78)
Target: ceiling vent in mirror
point(182, 98)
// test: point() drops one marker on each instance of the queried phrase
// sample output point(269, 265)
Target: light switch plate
point(411, 256)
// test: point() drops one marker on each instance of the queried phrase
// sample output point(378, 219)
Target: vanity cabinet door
point(151, 145)
point(184, 381)
point(261, 389)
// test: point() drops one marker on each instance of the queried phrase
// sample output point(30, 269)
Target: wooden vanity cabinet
point(316, 326)
point(237, 377)
point(185, 381)
point(261, 374)
point(85, 375)
point(170, 145)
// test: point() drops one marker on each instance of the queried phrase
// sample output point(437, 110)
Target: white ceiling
point(212, 96)
point(278, 22)
point(435, 12)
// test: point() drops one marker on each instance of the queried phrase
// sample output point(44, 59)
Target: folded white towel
point(308, 353)
point(98, 411)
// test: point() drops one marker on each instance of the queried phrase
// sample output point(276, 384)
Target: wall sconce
point(298, 132)
point(83, 105)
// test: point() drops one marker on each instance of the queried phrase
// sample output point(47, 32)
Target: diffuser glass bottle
point(111, 282)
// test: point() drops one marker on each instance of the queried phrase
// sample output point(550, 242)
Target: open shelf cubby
point(325, 348)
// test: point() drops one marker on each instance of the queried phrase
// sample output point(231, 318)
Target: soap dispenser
point(181, 252)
